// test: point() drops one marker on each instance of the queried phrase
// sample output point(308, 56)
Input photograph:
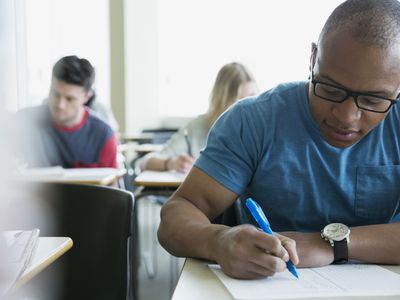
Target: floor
point(159, 286)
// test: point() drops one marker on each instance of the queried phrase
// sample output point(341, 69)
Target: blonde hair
point(225, 90)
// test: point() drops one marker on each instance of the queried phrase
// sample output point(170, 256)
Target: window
point(56, 28)
point(8, 55)
point(195, 38)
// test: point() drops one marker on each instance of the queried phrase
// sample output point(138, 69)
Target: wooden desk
point(143, 149)
point(198, 282)
point(48, 250)
point(156, 179)
point(99, 176)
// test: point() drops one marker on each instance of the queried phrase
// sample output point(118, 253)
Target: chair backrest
point(160, 135)
point(100, 221)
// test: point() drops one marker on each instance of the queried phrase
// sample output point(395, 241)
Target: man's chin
point(340, 139)
point(340, 143)
point(60, 120)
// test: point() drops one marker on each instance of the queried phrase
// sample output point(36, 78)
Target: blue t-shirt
point(270, 148)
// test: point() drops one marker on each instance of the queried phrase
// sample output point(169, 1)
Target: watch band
point(340, 252)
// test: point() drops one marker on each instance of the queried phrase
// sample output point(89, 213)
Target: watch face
point(336, 231)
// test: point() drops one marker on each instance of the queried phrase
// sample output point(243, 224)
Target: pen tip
point(292, 269)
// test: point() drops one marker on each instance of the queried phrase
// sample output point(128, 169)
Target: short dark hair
point(372, 22)
point(75, 70)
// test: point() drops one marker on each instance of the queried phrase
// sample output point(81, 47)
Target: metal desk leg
point(150, 252)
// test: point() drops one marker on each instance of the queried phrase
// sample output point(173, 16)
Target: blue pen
point(262, 221)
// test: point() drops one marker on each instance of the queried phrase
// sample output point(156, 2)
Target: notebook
point(22, 244)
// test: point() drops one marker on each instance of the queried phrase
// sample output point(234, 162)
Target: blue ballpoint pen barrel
point(263, 222)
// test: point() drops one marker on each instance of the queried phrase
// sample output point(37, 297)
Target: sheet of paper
point(16, 251)
point(329, 281)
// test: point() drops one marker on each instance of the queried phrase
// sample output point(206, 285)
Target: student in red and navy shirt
point(65, 132)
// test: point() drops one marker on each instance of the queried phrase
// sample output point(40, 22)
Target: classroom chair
point(236, 214)
point(103, 262)
point(160, 135)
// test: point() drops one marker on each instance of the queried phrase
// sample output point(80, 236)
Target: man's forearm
point(185, 231)
point(375, 243)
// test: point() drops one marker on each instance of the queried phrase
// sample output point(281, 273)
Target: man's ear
point(313, 56)
point(89, 95)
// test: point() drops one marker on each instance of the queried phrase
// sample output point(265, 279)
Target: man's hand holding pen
point(248, 253)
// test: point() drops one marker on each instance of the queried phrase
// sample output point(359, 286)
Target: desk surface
point(147, 148)
point(48, 250)
point(198, 282)
point(159, 179)
point(99, 176)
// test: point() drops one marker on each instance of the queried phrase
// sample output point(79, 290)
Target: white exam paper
point(330, 281)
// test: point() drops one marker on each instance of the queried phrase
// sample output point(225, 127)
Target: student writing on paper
point(65, 131)
point(322, 154)
point(234, 81)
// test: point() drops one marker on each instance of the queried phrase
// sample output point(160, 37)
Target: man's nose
point(347, 111)
point(60, 102)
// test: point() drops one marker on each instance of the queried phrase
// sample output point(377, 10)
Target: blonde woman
point(233, 82)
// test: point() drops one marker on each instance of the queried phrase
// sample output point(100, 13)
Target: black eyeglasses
point(337, 94)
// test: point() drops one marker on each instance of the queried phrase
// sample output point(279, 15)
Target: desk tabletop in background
point(160, 179)
point(140, 149)
point(99, 176)
point(198, 282)
point(143, 149)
